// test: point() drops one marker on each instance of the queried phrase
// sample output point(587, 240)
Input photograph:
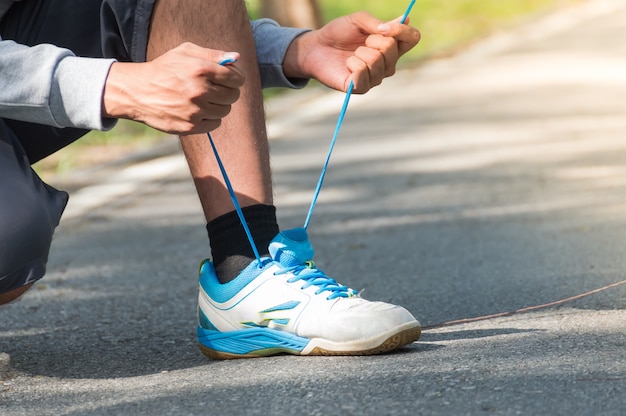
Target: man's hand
point(184, 91)
point(358, 48)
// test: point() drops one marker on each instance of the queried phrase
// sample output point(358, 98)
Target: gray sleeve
point(49, 85)
point(272, 42)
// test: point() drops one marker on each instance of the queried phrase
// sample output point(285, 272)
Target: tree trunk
point(293, 13)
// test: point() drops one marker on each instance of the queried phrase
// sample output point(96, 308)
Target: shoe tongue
point(291, 247)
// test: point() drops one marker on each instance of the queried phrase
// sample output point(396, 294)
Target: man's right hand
point(185, 91)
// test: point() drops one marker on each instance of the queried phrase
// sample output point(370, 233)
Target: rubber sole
point(390, 344)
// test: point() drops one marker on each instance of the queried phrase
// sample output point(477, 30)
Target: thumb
point(367, 23)
point(406, 36)
point(214, 55)
point(229, 58)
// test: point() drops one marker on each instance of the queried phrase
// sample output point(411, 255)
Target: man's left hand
point(357, 48)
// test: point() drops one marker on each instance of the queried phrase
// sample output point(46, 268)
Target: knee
point(29, 212)
point(25, 238)
point(26, 233)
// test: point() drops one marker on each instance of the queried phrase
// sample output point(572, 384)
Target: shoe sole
point(395, 341)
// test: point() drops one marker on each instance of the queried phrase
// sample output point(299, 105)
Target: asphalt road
point(479, 184)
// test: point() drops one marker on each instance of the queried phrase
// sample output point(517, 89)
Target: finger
point(229, 58)
point(406, 36)
point(366, 23)
point(209, 125)
point(388, 49)
point(399, 20)
point(360, 74)
point(213, 112)
point(200, 127)
point(207, 64)
point(204, 93)
point(228, 76)
point(375, 62)
point(212, 55)
point(219, 95)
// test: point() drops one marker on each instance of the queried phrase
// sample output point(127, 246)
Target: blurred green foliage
point(445, 24)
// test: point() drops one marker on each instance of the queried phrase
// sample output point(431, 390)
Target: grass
point(446, 25)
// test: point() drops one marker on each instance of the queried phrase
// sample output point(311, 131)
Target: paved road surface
point(484, 183)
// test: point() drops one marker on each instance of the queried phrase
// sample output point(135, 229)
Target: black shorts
point(30, 210)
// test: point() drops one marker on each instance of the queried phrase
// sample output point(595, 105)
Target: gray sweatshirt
point(50, 85)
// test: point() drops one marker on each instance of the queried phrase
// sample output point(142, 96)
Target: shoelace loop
point(313, 276)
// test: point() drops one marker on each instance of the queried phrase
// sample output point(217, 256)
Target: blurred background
point(447, 27)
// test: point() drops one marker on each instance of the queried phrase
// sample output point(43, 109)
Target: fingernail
point(383, 28)
point(229, 58)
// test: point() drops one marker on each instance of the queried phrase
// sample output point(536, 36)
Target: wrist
point(117, 93)
point(295, 61)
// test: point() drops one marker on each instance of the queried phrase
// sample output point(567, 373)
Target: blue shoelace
point(313, 276)
point(342, 115)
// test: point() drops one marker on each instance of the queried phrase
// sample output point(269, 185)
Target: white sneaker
point(286, 305)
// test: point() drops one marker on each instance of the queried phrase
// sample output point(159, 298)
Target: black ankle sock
point(230, 248)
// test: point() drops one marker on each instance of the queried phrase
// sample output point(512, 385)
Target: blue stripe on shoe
point(251, 341)
point(224, 292)
point(284, 307)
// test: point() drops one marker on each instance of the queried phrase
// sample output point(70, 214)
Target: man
point(68, 67)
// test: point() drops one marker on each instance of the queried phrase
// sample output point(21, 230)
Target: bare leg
point(241, 139)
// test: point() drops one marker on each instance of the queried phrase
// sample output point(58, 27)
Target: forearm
point(294, 63)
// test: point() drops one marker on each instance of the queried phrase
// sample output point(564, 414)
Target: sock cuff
point(262, 215)
point(228, 237)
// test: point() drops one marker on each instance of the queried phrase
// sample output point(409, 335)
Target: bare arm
point(184, 91)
